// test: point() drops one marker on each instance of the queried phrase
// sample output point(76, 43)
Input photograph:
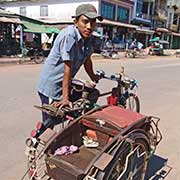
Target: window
point(44, 10)
point(123, 14)
point(175, 19)
point(108, 10)
point(139, 7)
point(22, 11)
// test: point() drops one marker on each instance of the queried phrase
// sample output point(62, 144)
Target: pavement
point(4, 60)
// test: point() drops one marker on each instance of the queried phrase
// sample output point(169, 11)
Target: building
point(123, 18)
point(15, 29)
point(173, 22)
point(117, 14)
point(8, 41)
point(166, 21)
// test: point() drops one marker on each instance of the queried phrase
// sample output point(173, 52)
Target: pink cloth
point(65, 150)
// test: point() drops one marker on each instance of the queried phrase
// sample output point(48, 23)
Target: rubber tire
point(121, 154)
point(38, 57)
point(137, 102)
point(42, 177)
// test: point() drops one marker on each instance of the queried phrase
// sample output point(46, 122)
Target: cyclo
point(109, 142)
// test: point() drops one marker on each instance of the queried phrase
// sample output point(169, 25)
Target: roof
point(6, 12)
point(29, 24)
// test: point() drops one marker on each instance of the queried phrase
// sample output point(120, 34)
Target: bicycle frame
point(125, 88)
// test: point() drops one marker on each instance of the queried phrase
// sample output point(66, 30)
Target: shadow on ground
point(157, 168)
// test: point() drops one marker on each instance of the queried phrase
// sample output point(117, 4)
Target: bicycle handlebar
point(120, 77)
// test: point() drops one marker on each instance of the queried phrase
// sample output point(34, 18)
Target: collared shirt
point(68, 46)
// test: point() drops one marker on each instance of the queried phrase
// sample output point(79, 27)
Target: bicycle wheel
point(22, 59)
point(133, 103)
point(131, 53)
point(38, 57)
point(130, 161)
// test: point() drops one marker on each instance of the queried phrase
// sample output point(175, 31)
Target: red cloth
point(112, 100)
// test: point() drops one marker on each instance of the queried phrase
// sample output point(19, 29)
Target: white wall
point(62, 11)
point(65, 11)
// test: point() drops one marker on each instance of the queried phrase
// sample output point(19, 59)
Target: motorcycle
point(135, 49)
point(109, 51)
point(35, 55)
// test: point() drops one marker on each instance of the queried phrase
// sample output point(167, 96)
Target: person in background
point(72, 48)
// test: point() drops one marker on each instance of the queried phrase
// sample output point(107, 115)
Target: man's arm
point(66, 80)
point(88, 65)
point(65, 86)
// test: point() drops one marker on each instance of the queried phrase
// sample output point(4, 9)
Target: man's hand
point(62, 103)
point(96, 78)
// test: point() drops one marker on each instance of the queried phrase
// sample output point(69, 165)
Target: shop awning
point(162, 30)
point(144, 31)
point(10, 20)
point(150, 1)
point(176, 34)
point(38, 28)
point(52, 30)
point(114, 23)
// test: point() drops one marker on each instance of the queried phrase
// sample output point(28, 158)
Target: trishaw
point(107, 142)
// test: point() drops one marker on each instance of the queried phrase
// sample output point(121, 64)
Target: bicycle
point(125, 93)
point(31, 55)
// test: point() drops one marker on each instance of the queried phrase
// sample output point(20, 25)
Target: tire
point(115, 56)
point(38, 57)
point(22, 59)
point(36, 156)
point(133, 103)
point(105, 54)
point(36, 164)
point(130, 160)
point(131, 53)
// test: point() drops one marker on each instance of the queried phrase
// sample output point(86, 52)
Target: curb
point(15, 60)
point(9, 62)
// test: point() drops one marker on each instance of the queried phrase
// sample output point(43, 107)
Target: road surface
point(159, 91)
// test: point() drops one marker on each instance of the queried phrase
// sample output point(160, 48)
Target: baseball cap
point(87, 10)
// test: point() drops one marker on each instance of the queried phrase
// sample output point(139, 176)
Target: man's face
point(85, 26)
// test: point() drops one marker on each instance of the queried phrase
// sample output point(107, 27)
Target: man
point(72, 48)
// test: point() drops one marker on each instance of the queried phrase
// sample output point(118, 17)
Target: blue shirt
point(68, 46)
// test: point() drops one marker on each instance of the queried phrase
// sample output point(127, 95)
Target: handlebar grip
point(100, 73)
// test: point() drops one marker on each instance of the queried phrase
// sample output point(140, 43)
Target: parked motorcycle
point(35, 55)
point(109, 51)
point(135, 49)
